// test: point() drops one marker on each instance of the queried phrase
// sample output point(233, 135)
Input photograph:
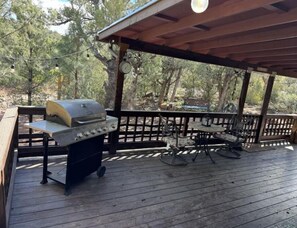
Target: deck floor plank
point(259, 190)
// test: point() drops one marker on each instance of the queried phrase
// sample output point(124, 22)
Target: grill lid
point(75, 112)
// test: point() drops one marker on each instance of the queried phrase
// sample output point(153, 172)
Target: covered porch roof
point(261, 34)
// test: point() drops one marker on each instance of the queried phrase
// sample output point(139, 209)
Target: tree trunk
point(162, 93)
point(132, 93)
point(30, 78)
point(110, 84)
point(179, 73)
point(76, 96)
point(76, 84)
point(168, 81)
point(223, 93)
point(60, 79)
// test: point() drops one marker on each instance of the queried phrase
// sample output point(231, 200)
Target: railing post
point(185, 130)
point(2, 202)
point(259, 129)
point(293, 136)
point(16, 134)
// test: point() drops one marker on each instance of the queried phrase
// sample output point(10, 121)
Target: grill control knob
point(93, 132)
point(87, 133)
point(113, 126)
point(99, 130)
point(79, 135)
point(104, 129)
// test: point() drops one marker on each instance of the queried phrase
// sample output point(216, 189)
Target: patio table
point(204, 134)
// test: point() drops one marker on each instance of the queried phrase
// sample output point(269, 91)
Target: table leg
point(45, 159)
point(203, 139)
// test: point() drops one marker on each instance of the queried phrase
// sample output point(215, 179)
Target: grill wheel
point(101, 171)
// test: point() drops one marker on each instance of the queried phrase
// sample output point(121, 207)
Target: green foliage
point(27, 42)
point(256, 89)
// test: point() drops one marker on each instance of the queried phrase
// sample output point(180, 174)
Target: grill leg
point(45, 159)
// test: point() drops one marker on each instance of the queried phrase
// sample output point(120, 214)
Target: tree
point(89, 17)
point(30, 44)
point(225, 77)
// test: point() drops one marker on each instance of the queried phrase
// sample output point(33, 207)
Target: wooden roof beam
point(270, 45)
point(201, 28)
point(260, 60)
point(290, 68)
point(163, 17)
point(257, 37)
point(278, 7)
point(228, 8)
point(283, 52)
point(272, 63)
point(237, 27)
point(152, 9)
point(284, 65)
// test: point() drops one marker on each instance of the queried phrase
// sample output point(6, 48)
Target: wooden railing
point(8, 143)
point(277, 126)
point(142, 129)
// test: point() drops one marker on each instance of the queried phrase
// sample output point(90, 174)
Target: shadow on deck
point(259, 190)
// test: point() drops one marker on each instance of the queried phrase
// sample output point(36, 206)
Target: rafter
point(163, 17)
point(280, 8)
point(283, 52)
point(272, 63)
point(285, 65)
point(200, 28)
point(270, 45)
point(155, 7)
point(225, 9)
point(260, 60)
point(237, 27)
point(255, 37)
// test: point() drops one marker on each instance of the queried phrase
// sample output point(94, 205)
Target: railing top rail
point(282, 115)
point(36, 110)
point(7, 126)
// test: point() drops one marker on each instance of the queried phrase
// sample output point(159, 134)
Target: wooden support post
point(244, 89)
point(118, 99)
point(293, 137)
point(265, 105)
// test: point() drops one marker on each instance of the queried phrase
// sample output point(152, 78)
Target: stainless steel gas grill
point(80, 125)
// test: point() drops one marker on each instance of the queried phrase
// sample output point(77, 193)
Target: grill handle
point(87, 121)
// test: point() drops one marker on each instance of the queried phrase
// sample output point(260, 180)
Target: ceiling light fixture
point(199, 6)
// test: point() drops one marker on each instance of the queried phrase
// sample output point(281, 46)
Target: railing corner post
point(185, 130)
point(259, 129)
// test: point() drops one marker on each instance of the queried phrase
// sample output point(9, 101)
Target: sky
point(54, 4)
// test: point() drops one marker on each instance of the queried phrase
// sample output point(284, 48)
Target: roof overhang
point(261, 34)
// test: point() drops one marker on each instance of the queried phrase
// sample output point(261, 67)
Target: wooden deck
point(259, 190)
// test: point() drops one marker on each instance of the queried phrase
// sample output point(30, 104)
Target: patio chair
point(201, 144)
point(175, 143)
point(202, 138)
point(234, 137)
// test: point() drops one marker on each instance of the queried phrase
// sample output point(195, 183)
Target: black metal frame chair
point(175, 143)
point(201, 144)
point(234, 137)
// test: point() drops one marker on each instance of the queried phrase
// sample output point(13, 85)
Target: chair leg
point(202, 144)
point(228, 152)
point(172, 158)
point(208, 154)
point(196, 155)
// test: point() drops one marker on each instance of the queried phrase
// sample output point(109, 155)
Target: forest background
point(38, 64)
